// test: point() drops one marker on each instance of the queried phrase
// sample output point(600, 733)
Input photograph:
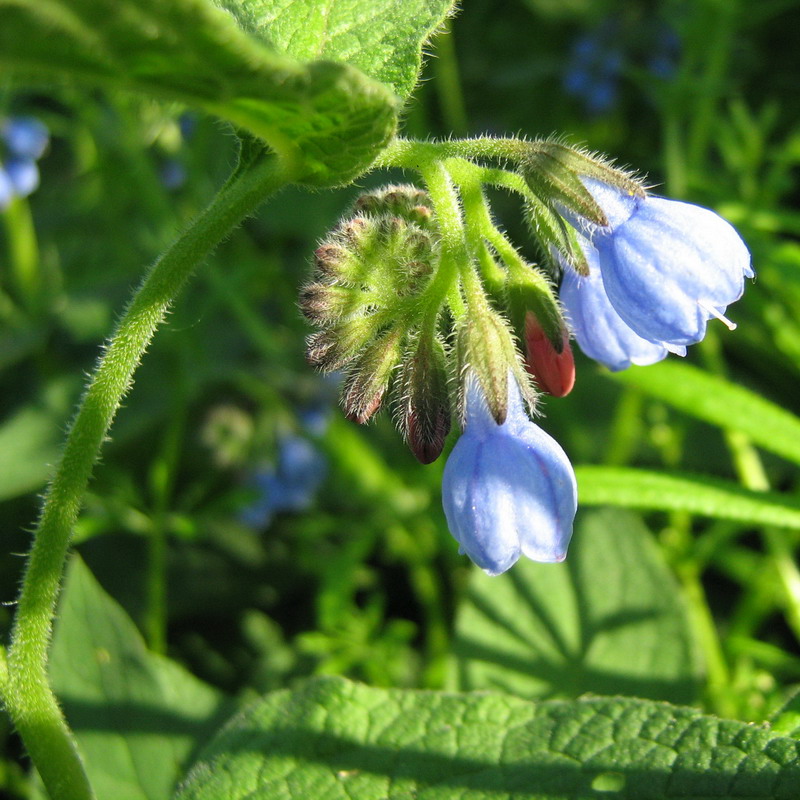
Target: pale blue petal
point(671, 267)
point(599, 330)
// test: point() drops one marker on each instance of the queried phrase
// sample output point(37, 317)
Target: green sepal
point(552, 170)
point(553, 233)
point(485, 346)
point(532, 292)
point(370, 374)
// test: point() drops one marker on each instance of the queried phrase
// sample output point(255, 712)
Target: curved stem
point(27, 693)
point(412, 154)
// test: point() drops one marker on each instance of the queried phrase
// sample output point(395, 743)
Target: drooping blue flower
point(508, 490)
point(667, 266)
point(599, 330)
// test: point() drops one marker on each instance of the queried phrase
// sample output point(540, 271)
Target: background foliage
point(691, 594)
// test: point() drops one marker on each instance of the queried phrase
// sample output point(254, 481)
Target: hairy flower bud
point(369, 376)
point(399, 200)
point(323, 303)
point(334, 347)
point(423, 406)
point(539, 323)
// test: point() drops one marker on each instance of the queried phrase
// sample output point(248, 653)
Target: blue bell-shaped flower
point(508, 490)
point(668, 267)
point(599, 330)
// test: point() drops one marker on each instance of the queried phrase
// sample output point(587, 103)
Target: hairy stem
point(27, 693)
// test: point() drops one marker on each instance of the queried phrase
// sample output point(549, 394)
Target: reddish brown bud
point(553, 370)
point(423, 410)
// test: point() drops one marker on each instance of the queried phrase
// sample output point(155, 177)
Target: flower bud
point(369, 376)
point(404, 200)
point(552, 368)
point(540, 325)
point(323, 303)
point(334, 347)
point(423, 407)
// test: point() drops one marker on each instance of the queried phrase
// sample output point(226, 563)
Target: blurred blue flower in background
point(594, 68)
point(25, 140)
point(291, 485)
point(508, 490)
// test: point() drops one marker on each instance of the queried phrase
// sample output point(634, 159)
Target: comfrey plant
point(423, 300)
point(427, 307)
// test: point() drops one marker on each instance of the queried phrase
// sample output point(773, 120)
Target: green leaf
point(138, 717)
point(719, 402)
point(327, 120)
point(332, 739)
point(30, 439)
point(787, 720)
point(661, 491)
point(382, 38)
point(609, 620)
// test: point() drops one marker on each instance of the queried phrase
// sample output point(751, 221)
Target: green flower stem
point(479, 223)
point(412, 154)
point(27, 693)
point(456, 261)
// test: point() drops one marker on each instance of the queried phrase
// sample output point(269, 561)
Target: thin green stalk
point(23, 252)
point(454, 251)
point(411, 154)
point(162, 481)
point(27, 694)
point(752, 475)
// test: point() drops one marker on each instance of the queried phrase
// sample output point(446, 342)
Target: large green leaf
point(383, 38)
point(719, 402)
point(335, 740)
point(327, 119)
point(661, 491)
point(138, 717)
point(609, 620)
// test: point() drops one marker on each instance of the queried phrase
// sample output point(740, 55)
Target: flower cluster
point(452, 323)
point(657, 273)
point(25, 140)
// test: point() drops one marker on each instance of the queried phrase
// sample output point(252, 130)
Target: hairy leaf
point(609, 620)
point(332, 739)
point(138, 717)
point(383, 38)
point(326, 119)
